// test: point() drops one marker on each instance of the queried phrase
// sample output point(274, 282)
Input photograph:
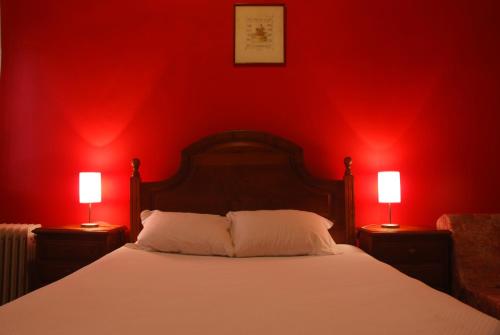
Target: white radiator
point(17, 252)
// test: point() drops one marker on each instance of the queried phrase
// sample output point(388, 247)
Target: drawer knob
point(412, 251)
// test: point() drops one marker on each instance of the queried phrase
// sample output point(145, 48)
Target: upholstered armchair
point(476, 259)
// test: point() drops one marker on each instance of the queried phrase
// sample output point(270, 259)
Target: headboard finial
point(135, 167)
point(347, 163)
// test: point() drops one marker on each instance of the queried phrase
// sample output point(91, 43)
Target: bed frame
point(245, 170)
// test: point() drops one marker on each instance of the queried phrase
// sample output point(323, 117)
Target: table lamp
point(90, 193)
point(389, 192)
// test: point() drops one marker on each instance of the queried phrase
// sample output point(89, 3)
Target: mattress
point(134, 291)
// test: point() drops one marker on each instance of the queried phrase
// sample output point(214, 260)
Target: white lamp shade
point(90, 187)
point(389, 187)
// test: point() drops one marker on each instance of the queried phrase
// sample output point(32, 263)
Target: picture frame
point(259, 34)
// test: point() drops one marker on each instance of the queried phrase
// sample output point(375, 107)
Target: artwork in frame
point(259, 34)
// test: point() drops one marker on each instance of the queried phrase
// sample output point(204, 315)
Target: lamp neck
point(90, 209)
point(390, 213)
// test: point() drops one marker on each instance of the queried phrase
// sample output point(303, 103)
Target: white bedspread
point(132, 291)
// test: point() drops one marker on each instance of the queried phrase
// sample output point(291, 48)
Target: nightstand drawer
point(410, 250)
point(434, 274)
point(66, 250)
point(63, 250)
point(49, 272)
point(421, 253)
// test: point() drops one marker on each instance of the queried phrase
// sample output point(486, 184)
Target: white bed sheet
point(132, 291)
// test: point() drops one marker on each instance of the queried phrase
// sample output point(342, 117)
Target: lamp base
point(390, 225)
point(89, 225)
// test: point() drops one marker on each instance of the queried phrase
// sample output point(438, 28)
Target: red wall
point(396, 84)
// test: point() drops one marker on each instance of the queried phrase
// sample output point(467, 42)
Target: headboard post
point(135, 200)
point(349, 201)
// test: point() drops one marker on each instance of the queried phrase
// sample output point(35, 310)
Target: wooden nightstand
point(63, 250)
point(421, 253)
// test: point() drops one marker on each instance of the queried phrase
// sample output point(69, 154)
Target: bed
point(137, 291)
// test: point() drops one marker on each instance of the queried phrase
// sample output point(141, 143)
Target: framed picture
point(259, 34)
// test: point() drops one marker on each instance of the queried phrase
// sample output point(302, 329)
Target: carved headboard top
point(245, 170)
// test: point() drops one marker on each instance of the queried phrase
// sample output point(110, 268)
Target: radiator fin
point(17, 252)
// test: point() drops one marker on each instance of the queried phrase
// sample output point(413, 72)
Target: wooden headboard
point(245, 170)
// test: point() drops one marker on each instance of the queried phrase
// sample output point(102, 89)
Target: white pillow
point(280, 233)
point(186, 233)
